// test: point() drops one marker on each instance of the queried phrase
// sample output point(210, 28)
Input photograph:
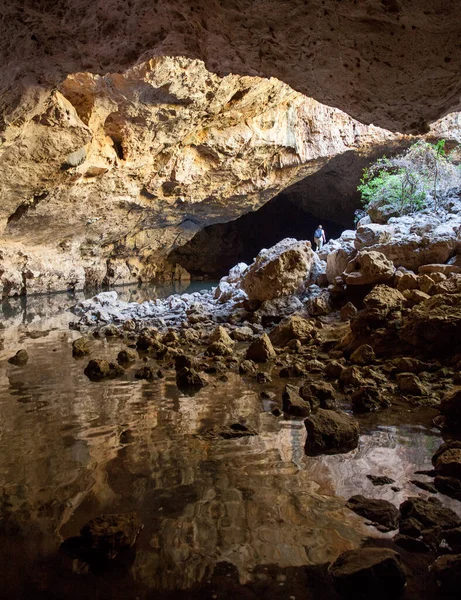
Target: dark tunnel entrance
point(217, 248)
point(328, 197)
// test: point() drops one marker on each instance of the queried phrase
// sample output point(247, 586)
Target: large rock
point(330, 432)
point(368, 573)
point(430, 512)
point(280, 271)
point(368, 267)
point(292, 328)
point(434, 325)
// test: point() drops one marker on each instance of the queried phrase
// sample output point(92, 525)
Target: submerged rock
point(330, 432)
point(368, 573)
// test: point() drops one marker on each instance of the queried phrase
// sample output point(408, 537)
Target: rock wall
point(387, 62)
point(103, 177)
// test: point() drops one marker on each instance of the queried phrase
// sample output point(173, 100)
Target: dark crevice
point(24, 207)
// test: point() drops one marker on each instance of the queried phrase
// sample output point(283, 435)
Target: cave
point(193, 403)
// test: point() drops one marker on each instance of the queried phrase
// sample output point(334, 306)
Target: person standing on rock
point(319, 238)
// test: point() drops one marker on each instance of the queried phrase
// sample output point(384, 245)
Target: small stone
point(145, 373)
point(379, 480)
point(80, 347)
point(409, 383)
point(368, 399)
point(19, 359)
point(364, 355)
point(348, 312)
point(127, 356)
point(189, 381)
point(330, 432)
point(219, 349)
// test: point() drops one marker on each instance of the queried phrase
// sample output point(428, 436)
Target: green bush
point(409, 182)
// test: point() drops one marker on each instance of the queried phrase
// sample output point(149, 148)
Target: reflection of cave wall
point(217, 248)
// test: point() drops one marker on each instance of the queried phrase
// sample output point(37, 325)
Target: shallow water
point(71, 450)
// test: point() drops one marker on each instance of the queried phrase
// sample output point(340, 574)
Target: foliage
point(411, 181)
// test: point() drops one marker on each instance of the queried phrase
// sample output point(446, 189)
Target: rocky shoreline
point(351, 330)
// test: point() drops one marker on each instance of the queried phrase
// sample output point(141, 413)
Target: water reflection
point(71, 450)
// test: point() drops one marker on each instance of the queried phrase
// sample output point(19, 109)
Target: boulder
point(434, 326)
point(280, 271)
point(406, 281)
point(293, 404)
point(292, 328)
point(319, 305)
point(368, 267)
point(368, 573)
point(337, 261)
point(330, 432)
point(383, 514)
point(371, 234)
point(430, 512)
point(384, 299)
point(19, 359)
point(80, 347)
point(261, 350)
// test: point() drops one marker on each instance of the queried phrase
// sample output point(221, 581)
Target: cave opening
point(214, 250)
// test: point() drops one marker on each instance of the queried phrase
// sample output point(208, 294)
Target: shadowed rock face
point(390, 62)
